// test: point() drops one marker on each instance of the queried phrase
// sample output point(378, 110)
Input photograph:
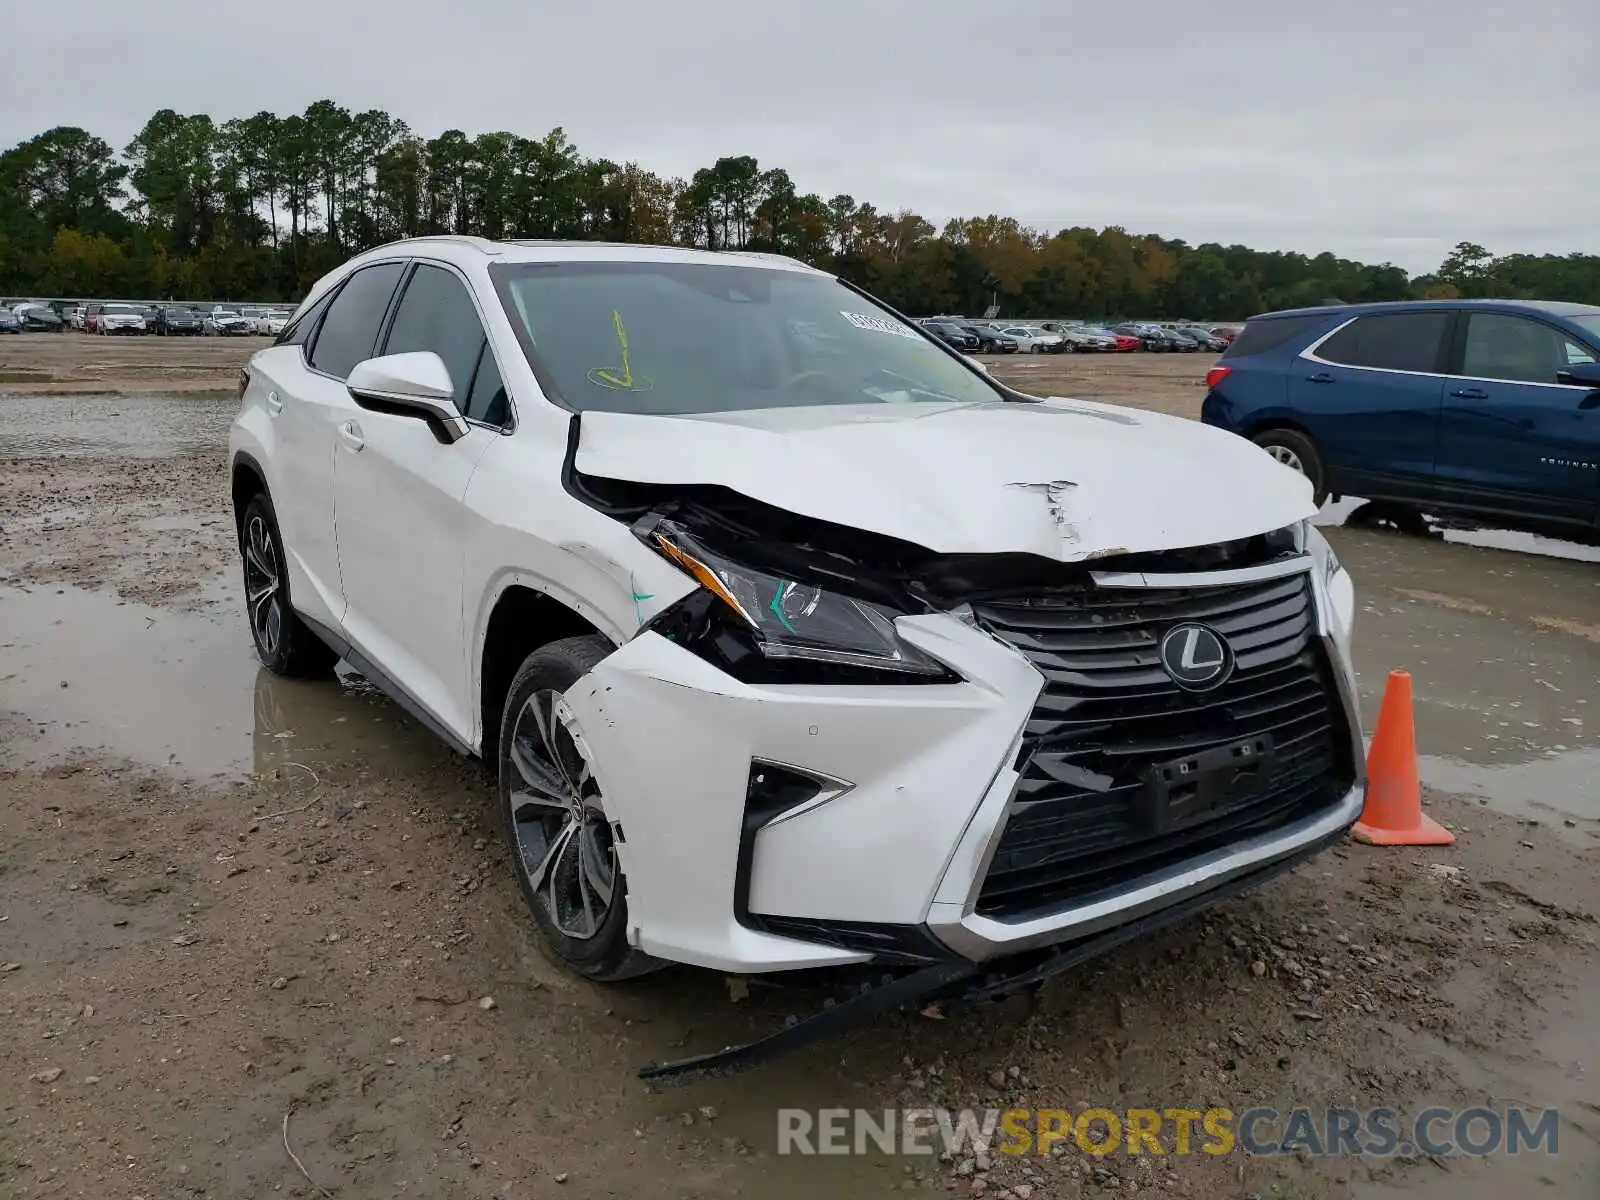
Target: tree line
point(259, 207)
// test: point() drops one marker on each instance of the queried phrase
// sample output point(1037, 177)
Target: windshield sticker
point(623, 379)
point(879, 324)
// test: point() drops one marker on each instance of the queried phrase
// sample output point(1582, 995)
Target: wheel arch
point(247, 481)
point(522, 619)
point(1266, 422)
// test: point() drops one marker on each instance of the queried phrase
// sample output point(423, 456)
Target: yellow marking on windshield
point(625, 381)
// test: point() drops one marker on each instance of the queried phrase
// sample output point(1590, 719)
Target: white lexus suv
point(793, 638)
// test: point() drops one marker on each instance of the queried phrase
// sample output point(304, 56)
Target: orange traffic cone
point(1393, 814)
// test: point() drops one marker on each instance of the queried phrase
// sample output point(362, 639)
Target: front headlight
point(1315, 544)
point(793, 622)
point(1337, 585)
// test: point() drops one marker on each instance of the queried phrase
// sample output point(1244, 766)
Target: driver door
point(402, 527)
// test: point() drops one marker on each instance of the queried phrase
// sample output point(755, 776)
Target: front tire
point(1297, 452)
point(563, 846)
point(284, 643)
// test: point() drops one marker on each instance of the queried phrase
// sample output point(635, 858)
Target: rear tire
point(1297, 452)
point(284, 643)
point(563, 845)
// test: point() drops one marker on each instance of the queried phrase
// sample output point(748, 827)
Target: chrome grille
point(1109, 715)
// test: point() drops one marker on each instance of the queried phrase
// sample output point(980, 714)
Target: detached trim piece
point(1277, 569)
point(963, 983)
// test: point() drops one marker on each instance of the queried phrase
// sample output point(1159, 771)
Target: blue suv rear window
point(1259, 336)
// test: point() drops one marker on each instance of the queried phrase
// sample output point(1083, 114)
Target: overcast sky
point(1379, 130)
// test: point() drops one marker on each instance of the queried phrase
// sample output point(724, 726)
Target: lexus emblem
point(1196, 657)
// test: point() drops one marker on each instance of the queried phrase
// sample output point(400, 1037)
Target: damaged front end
point(990, 832)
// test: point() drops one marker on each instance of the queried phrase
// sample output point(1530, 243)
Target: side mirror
point(979, 364)
point(1580, 375)
point(415, 384)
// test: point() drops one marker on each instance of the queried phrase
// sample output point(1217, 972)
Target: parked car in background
point(1226, 332)
point(227, 322)
point(178, 321)
point(121, 318)
point(9, 322)
point(72, 314)
point(270, 322)
point(38, 318)
point(1203, 338)
point(1032, 340)
point(1489, 408)
point(953, 335)
point(1083, 340)
point(991, 340)
point(823, 630)
point(1150, 338)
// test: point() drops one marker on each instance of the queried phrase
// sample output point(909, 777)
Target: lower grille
point(1086, 818)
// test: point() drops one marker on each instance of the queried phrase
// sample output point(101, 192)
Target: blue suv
point(1484, 407)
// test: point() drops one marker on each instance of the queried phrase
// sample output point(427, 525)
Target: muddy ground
point(228, 899)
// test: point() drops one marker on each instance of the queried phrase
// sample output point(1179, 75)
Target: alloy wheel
point(262, 586)
point(564, 840)
point(1287, 457)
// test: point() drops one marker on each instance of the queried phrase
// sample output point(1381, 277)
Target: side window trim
point(1310, 352)
point(386, 322)
point(1458, 358)
point(488, 342)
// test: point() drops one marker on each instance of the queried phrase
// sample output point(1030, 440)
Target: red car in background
point(1226, 332)
point(1124, 342)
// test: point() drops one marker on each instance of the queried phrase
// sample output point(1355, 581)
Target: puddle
point(142, 426)
point(179, 691)
point(1560, 785)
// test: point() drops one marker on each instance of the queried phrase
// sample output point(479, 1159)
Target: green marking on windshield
point(623, 380)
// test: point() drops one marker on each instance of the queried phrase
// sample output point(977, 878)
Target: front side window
point(1499, 346)
point(436, 313)
point(1389, 342)
point(669, 338)
point(350, 329)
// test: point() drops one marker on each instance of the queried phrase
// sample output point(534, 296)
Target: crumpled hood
point(1065, 479)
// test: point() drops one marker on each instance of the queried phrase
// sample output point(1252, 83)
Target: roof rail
point(487, 245)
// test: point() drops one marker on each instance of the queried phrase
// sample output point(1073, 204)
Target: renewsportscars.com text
point(1333, 1131)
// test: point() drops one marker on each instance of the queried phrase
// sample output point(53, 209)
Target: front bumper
point(930, 776)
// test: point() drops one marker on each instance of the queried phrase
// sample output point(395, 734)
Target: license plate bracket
point(1184, 790)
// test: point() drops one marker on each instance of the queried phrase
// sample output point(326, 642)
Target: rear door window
point(436, 313)
point(1390, 342)
point(350, 329)
point(1516, 349)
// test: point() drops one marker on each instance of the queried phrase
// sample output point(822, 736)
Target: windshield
point(673, 338)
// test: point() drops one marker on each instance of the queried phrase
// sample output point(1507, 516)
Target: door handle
point(350, 435)
point(1471, 393)
point(274, 403)
point(1319, 377)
